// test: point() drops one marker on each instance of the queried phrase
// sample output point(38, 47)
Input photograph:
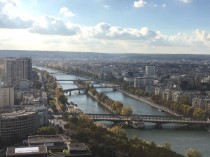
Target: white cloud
point(49, 25)
point(53, 33)
point(9, 18)
point(106, 6)
point(185, 1)
point(139, 4)
point(66, 12)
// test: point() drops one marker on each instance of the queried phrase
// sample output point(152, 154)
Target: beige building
point(17, 69)
point(6, 96)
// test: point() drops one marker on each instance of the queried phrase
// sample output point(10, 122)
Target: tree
point(65, 115)
point(46, 131)
point(190, 111)
point(193, 153)
point(199, 113)
point(126, 110)
point(62, 99)
point(37, 84)
point(118, 131)
point(184, 100)
point(167, 146)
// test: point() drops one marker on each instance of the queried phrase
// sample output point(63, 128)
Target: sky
point(107, 26)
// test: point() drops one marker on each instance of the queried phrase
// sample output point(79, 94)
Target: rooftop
point(45, 139)
point(78, 147)
point(26, 150)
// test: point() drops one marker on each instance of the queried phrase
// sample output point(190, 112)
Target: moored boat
point(137, 124)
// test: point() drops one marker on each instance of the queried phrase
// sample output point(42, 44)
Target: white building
point(6, 96)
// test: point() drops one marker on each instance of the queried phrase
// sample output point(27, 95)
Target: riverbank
point(104, 105)
point(149, 102)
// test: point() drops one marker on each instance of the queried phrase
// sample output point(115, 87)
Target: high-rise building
point(6, 96)
point(17, 69)
point(150, 71)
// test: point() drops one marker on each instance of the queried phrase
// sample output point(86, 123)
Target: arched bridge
point(159, 120)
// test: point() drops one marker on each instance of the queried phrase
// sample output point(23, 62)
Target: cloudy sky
point(112, 26)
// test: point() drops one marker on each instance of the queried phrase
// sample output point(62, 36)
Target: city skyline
point(110, 26)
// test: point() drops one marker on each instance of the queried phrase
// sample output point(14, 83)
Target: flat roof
point(15, 114)
point(45, 139)
point(78, 147)
point(26, 150)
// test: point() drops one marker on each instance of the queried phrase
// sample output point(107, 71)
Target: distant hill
point(42, 55)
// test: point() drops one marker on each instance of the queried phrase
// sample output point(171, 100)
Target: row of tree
point(55, 93)
point(115, 106)
point(113, 141)
point(183, 106)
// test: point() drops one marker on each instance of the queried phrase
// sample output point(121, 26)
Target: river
point(179, 137)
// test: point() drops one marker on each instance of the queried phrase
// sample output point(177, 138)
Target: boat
point(161, 109)
point(137, 124)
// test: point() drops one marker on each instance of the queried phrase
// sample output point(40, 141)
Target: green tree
point(62, 98)
point(193, 153)
point(167, 146)
point(190, 111)
point(46, 131)
point(126, 110)
point(118, 131)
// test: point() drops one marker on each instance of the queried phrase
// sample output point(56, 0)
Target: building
point(79, 149)
point(150, 71)
point(42, 112)
point(38, 151)
point(54, 143)
point(166, 95)
point(20, 123)
point(17, 69)
point(24, 84)
point(6, 96)
point(176, 96)
point(142, 82)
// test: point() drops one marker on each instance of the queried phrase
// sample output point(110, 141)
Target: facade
point(24, 84)
point(6, 96)
point(42, 113)
point(17, 69)
point(142, 82)
point(203, 103)
point(19, 123)
point(176, 96)
point(150, 71)
point(166, 95)
point(128, 79)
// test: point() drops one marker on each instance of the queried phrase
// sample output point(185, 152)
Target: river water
point(179, 137)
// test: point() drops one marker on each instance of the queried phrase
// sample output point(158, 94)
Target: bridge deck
point(147, 118)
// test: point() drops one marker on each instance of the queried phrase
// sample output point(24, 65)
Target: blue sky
point(112, 26)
